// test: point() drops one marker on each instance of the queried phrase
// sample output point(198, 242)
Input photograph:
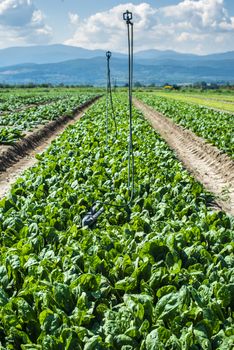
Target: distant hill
point(45, 54)
point(58, 64)
point(169, 54)
point(93, 71)
point(59, 53)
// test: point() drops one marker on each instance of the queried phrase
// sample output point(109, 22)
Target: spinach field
point(21, 114)
point(214, 126)
point(156, 275)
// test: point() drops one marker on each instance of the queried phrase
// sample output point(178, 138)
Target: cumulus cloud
point(16, 13)
point(191, 25)
point(202, 15)
point(107, 29)
point(23, 23)
point(73, 18)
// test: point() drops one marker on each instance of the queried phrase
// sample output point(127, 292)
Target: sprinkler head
point(108, 54)
point(91, 217)
point(127, 16)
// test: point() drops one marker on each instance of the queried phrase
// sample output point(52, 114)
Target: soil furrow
point(14, 160)
point(206, 162)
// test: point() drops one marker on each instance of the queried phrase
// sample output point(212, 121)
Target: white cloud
point(37, 17)
point(73, 18)
point(201, 14)
point(23, 23)
point(228, 26)
point(107, 30)
point(16, 13)
point(186, 36)
point(191, 25)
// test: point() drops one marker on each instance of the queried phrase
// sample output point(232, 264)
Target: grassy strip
point(216, 103)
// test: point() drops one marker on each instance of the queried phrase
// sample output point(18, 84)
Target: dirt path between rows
point(208, 164)
point(15, 160)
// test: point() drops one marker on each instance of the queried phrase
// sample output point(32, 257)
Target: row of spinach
point(14, 125)
point(214, 126)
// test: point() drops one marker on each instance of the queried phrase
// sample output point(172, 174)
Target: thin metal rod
point(107, 101)
point(109, 98)
point(131, 166)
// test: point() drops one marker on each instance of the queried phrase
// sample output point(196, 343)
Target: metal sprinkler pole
point(109, 98)
point(108, 56)
point(91, 217)
point(127, 16)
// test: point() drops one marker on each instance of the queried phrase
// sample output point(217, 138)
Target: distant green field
point(22, 110)
point(212, 100)
point(214, 126)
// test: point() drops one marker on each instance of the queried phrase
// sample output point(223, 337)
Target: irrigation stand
point(109, 99)
point(127, 16)
point(92, 215)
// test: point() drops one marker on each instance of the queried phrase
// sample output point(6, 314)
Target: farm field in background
point(159, 273)
point(223, 102)
point(222, 94)
point(214, 126)
point(23, 111)
point(12, 99)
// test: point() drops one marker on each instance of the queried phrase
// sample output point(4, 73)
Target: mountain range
point(58, 64)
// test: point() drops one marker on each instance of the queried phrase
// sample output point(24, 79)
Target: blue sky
point(198, 26)
point(84, 9)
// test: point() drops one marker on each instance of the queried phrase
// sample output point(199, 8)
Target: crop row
point(202, 99)
point(157, 275)
point(14, 102)
point(13, 125)
point(216, 127)
point(15, 99)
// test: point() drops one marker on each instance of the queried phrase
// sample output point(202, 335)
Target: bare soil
point(209, 165)
point(14, 160)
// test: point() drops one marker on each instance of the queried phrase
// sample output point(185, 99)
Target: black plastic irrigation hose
point(92, 216)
